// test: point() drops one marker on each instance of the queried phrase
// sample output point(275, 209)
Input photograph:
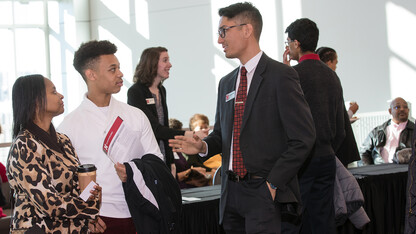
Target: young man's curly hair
point(89, 53)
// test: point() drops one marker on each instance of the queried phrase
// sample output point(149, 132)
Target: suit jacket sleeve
point(297, 123)
point(136, 96)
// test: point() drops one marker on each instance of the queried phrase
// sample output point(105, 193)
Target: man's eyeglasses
point(221, 31)
point(288, 41)
point(400, 107)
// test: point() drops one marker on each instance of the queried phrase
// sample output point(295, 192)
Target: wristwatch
point(272, 186)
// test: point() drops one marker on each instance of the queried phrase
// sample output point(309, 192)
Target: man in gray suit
point(263, 128)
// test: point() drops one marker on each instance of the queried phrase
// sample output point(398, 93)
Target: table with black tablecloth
point(383, 187)
point(201, 215)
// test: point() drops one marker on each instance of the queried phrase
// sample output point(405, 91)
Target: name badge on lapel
point(230, 96)
point(150, 101)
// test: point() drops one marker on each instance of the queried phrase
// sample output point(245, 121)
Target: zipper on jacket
point(410, 186)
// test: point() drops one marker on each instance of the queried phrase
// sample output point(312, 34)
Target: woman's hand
point(183, 175)
point(97, 226)
point(202, 133)
point(96, 193)
point(353, 107)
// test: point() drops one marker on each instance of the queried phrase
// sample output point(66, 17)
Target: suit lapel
point(254, 88)
point(230, 87)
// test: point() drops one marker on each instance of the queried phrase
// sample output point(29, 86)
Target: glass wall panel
point(7, 78)
point(6, 16)
point(28, 12)
point(30, 51)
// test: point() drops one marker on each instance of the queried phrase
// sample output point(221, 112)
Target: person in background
point(87, 128)
point(186, 171)
point(201, 122)
point(329, 57)
point(323, 92)
point(3, 179)
point(410, 217)
point(390, 142)
point(42, 166)
point(263, 128)
point(348, 151)
point(149, 95)
point(198, 122)
point(175, 124)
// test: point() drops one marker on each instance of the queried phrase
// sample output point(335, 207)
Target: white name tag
point(150, 101)
point(230, 96)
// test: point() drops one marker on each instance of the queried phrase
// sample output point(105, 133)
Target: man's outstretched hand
point(187, 145)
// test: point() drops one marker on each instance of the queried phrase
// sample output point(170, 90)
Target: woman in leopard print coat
point(42, 165)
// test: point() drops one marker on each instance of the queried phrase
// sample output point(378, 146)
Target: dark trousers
point(250, 208)
point(119, 226)
point(316, 184)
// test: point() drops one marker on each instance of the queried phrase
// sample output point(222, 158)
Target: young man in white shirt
point(86, 126)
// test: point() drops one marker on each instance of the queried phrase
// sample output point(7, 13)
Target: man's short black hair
point(305, 32)
point(245, 13)
point(88, 54)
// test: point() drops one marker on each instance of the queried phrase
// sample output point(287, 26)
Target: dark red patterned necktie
point(240, 102)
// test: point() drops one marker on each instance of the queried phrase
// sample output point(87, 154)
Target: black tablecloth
point(201, 216)
point(383, 187)
point(370, 170)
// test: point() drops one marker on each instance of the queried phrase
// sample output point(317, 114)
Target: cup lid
point(86, 168)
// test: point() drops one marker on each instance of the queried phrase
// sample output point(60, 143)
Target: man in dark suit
point(263, 128)
point(323, 92)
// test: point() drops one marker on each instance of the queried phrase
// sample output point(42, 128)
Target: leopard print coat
point(46, 190)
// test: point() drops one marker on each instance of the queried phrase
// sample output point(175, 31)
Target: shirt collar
point(400, 125)
point(92, 103)
point(50, 139)
point(252, 63)
point(309, 56)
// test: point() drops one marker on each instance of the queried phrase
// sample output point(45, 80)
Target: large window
point(24, 46)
